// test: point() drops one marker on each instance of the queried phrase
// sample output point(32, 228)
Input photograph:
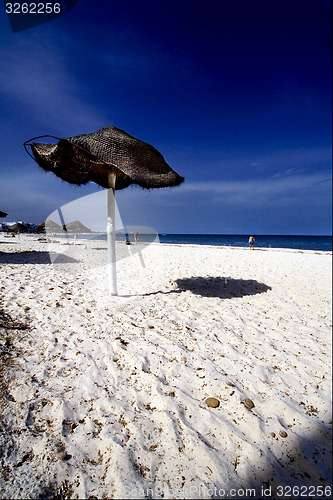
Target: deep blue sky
point(236, 95)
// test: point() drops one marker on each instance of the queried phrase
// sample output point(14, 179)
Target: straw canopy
point(76, 227)
point(3, 214)
point(92, 157)
point(17, 227)
point(114, 160)
point(49, 225)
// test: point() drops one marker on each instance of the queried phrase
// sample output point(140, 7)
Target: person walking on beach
point(136, 237)
point(251, 242)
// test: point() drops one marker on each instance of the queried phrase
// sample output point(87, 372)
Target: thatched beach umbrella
point(3, 214)
point(76, 227)
point(50, 226)
point(111, 158)
point(17, 226)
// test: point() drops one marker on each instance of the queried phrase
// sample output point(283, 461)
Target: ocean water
point(319, 243)
point(322, 243)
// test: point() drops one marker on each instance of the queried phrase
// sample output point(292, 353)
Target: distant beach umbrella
point(50, 226)
point(3, 214)
point(76, 227)
point(111, 158)
point(17, 227)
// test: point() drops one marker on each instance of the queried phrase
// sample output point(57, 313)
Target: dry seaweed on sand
point(6, 321)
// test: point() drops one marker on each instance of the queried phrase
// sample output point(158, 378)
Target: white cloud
point(32, 194)
point(190, 207)
point(270, 191)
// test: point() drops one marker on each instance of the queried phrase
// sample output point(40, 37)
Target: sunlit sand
point(107, 397)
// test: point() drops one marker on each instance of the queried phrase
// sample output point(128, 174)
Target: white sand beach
point(106, 397)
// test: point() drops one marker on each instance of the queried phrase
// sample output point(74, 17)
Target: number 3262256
point(33, 8)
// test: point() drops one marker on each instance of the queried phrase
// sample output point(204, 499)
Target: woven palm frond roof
point(76, 227)
point(91, 157)
point(49, 225)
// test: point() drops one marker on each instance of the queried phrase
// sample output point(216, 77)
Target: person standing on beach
point(136, 237)
point(251, 242)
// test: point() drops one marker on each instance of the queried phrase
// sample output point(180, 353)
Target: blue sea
point(321, 243)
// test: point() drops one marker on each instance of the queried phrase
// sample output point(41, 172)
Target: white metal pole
point(111, 235)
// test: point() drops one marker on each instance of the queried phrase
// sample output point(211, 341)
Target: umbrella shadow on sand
point(34, 257)
point(223, 288)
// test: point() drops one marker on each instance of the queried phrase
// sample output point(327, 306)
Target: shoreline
point(28, 237)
